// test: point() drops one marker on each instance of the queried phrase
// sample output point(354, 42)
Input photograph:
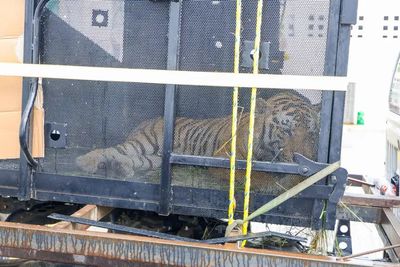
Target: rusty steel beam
point(105, 249)
point(91, 212)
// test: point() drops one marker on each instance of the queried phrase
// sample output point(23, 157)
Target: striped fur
point(285, 123)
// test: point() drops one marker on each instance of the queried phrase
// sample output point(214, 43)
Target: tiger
point(285, 123)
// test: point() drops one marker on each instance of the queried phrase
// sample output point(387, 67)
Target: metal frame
point(169, 112)
point(197, 201)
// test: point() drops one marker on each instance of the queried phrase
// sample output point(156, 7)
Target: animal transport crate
point(165, 148)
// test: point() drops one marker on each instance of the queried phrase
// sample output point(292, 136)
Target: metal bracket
point(339, 180)
point(247, 55)
point(99, 18)
point(308, 167)
point(56, 135)
point(343, 239)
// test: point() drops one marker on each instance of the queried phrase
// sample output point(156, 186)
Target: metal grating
point(101, 115)
point(296, 34)
point(118, 34)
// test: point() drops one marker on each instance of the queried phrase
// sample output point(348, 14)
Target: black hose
point(25, 119)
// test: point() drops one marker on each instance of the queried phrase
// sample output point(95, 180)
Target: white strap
point(218, 79)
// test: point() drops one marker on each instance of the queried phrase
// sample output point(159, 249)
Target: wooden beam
point(391, 225)
point(217, 79)
point(388, 228)
point(371, 200)
point(357, 182)
point(91, 212)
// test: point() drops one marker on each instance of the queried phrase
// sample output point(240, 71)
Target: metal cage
point(300, 37)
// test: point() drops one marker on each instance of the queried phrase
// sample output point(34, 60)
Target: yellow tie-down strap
point(235, 96)
point(257, 43)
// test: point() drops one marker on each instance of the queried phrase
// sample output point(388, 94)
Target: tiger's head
point(105, 162)
point(285, 124)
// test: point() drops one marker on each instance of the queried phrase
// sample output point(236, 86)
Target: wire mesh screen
point(96, 121)
point(115, 130)
point(293, 41)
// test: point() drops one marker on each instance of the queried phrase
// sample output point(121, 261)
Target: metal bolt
point(304, 170)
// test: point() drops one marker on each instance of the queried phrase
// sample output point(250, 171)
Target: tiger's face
point(285, 124)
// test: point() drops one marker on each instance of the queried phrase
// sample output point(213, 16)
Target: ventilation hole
point(342, 245)
point(386, 18)
point(311, 17)
point(320, 35)
point(100, 18)
point(320, 27)
point(252, 54)
point(396, 28)
point(360, 27)
point(384, 36)
point(310, 35)
point(395, 36)
point(321, 17)
point(385, 28)
point(359, 36)
point(344, 229)
point(311, 26)
point(396, 17)
point(55, 135)
point(361, 17)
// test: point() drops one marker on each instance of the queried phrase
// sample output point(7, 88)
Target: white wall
point(373, 57)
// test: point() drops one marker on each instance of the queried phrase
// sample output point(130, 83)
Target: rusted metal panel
point(79, 247)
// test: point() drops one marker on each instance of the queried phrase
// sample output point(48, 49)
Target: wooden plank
point(371, 200)
point(218, 79)
point(357, 182)
point(391, 225)
point(91, 212)
point(386, 242)
point(388, 231)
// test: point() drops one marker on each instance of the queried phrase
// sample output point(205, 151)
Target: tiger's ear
point(261, 106)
